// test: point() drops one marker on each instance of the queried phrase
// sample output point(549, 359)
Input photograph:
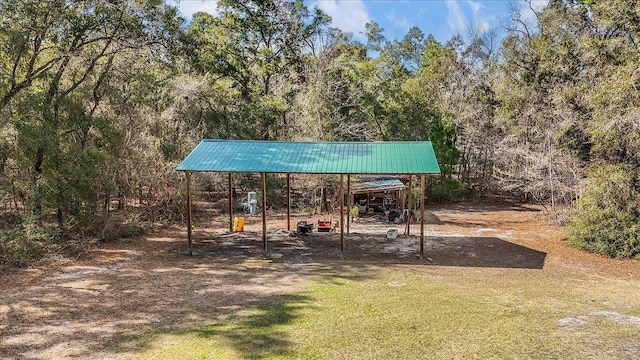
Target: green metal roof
point(391, 157)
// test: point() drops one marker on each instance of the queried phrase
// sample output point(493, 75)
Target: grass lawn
point(409, 312)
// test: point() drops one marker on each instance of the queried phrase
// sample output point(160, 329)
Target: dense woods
point(99, 101)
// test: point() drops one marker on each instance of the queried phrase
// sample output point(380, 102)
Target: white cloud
point(460, 20)
point(347, 15)
point(527, 13)
point(475, 6)
point(422, 12)
point(455, 18)
point(481, 21)
point(539, 5)
point(400, 22)
point(189, 7)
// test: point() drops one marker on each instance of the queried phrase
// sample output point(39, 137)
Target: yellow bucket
point(238, 224)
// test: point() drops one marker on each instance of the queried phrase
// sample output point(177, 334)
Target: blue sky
point(441, 18)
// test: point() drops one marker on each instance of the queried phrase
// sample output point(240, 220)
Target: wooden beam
point(407, 230)
point(188, 176)
point(230, 205)
point(288, 202)
point(341, 215)
point(422, 181)
point(348, 201)
point(264, 212)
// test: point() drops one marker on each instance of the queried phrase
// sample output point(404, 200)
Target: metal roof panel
point(391, 157)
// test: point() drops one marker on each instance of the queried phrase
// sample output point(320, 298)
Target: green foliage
point(276, 190)
point(64, 95)
point(27, 243)
point(10, 220)
point(606, 219)
point(258, 47)
point(443, 137)
point(129, 230)
point(444, 189)
point(354, 212)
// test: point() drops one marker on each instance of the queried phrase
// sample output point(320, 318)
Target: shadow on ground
point(254, 333)
point(464, 251)
point(489, 252)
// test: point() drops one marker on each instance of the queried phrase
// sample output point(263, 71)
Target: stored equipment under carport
point(304, 228)
point(324, 225)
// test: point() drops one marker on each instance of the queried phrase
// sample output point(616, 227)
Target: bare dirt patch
point(95, 308)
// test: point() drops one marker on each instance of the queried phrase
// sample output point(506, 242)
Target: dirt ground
point(95, 308)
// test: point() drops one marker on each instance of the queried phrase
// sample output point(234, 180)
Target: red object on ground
point(324, 225)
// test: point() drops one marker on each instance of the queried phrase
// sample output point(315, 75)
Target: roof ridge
point(317, 142)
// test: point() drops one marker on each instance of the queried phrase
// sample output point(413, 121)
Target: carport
point(290, 157)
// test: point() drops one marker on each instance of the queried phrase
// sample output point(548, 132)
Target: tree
point(537, 90)
point(569, 103)
point(259, 46)
point(606, 217)
point(57, 65)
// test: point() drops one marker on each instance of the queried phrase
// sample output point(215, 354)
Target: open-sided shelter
point(288, 157)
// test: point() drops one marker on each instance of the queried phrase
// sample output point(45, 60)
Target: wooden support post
point(407, 230)
point(264, 212)
point(422, 181)
point(341, 215)
point(348, 201)
point(368, 196)
point(288, 202)
point(230, 205)
point(188, 176)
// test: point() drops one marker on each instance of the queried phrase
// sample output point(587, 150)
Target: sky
point(441, 18)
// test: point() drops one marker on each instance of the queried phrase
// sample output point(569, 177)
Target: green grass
point(398, 313)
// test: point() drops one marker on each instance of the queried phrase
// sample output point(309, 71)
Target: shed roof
point(364, 187)
point(391, 157)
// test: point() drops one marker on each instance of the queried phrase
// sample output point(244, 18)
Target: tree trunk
point(60, 218)
point(324, 206)
point(35, 183)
